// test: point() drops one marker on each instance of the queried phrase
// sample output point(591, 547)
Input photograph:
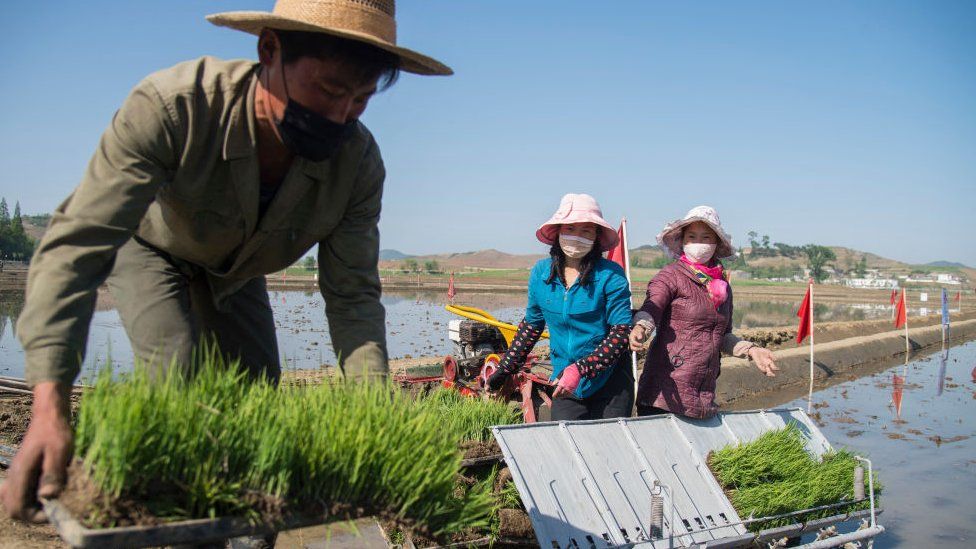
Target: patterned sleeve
point(606, 353)
point(525, 338)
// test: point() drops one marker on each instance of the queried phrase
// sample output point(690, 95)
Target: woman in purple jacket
point(688, 315)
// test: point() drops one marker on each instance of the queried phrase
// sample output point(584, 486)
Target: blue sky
point(840, 123)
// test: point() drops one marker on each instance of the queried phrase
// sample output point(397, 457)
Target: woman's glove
point(568, 382)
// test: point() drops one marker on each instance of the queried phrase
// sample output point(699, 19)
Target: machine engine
point(475, 339)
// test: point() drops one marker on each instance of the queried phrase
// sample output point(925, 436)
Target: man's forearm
point(51, 399)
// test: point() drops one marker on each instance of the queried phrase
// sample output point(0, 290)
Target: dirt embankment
point(785, 337)
point(742, 386)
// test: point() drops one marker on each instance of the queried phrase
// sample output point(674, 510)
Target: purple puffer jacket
point(683, 363)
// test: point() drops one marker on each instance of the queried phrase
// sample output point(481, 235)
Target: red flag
point(804, 313)
point(894, 295)
point(450, 288)
point(618, 254)
point(901, 311)
point(897, 390)
point(959, 296)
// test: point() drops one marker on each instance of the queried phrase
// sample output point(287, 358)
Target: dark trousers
point(615, 399)
point(643, 410)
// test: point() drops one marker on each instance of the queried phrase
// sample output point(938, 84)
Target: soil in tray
point(82, 499)
point(476, 449)
point(509, 525)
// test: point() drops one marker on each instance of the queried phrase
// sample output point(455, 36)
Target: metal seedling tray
point(197, 531)
point(588, 484)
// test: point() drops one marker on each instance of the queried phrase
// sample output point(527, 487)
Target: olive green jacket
point(178, 167)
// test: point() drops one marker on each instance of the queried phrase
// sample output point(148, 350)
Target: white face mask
point(698, 252)
point(575, 246)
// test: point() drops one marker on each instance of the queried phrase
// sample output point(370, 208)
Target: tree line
point(14, 242)
point(411, 265)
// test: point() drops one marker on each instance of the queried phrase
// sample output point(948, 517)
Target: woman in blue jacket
point(584, 300)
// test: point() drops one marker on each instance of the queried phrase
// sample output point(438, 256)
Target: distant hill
point(389, 255)
point(481, 259)
point(35, 225)
point(950, 264)
point(847, 258)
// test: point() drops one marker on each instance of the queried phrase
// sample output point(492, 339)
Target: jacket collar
point(240, 137)
point(686, 270)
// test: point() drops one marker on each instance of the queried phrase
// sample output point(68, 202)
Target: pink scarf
point(713, 278)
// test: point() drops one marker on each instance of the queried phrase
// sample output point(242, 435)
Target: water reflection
point(11, 303)
point(917, 423)
point(769, 314)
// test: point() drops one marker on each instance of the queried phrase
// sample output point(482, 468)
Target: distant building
point(871, 282)
point(940, 278)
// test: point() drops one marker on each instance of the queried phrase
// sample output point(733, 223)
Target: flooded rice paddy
point(416, 325)
point(917, 423)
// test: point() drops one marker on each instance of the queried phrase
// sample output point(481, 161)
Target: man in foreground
point(212, 174)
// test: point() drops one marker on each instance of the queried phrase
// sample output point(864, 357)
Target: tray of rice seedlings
point(774, 475)
point(165, 460)
point(508, 524)
point(470, 420)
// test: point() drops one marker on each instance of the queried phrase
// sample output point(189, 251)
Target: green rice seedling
point(218, 445)
point(509, 497)
point(469, 418)
point(775, 455)
point(774, 475)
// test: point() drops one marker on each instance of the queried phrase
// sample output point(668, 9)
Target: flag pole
point(810, 394)
point(904, 297)
point(633, 354)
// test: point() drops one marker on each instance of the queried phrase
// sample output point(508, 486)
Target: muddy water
point(917, 423)
point(416, 325)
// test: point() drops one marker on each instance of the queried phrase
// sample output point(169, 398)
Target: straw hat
point(577, 208)
point(369, 21)
point(670, 237)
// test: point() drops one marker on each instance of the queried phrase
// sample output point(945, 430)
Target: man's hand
point(40, 466)
point(638, 338)
point(764, 360)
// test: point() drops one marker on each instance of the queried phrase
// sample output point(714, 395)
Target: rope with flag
point(804, 330)
point(901, 319)
point(621, 256)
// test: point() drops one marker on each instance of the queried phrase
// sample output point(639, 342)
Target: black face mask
point(307, 133)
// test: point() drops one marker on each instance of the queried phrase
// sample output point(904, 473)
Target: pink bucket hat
point(577, 208)
point(670, 237)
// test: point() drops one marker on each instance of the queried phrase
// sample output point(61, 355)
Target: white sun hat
point(670, 237)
